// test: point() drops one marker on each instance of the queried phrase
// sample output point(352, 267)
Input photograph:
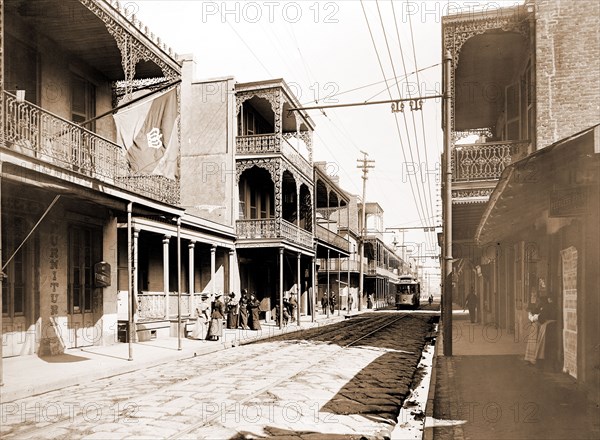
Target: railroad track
point(163, 381)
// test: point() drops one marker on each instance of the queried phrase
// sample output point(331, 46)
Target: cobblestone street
point(348, 379)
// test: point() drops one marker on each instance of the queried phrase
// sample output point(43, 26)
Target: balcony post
point(348, 279)
point(166, 239)
point(213, 266)
point(339, 301)
point(135, 293)
point(191, 277)
point(130, 325)
point(280, 288)
point(298, 299)
point(328, 286)
point(314, 289)
point(1, 262)
point(179, 283)
point(447, 206)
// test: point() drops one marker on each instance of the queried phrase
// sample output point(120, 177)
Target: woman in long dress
point(243, 306)
point(200, 328)
point(253, 306)
point(215, 331)
point(232, 311)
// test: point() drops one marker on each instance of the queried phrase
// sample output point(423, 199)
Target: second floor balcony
point(485, 161)
point(270, 231)
point(34, 132)
point(330, 237)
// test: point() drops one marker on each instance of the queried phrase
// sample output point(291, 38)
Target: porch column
point(298, 289)
point(328, 286)
point(314, 287)
point(130, 326)
point(281, 288)
point(166, 240)
point(213, 269)
point(339, 262)
point(348, 279)
point(230, 270)
point(191, 277)
point(134, 303)
point(1, 262)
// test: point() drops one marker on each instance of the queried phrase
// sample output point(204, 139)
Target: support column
point(135, 290)
point(130, 326)
point(191, 278)
point(179, 283)
point(298, 289)
point(339, 298)
point(166, 240)
point(328, 287)
point(281, 288)
point(348, 280)
point(230, 272)
point(213, 269)
point(314, 289)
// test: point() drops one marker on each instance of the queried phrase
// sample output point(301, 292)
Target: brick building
point(525, 184)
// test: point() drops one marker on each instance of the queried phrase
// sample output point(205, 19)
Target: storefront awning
point(547, 188)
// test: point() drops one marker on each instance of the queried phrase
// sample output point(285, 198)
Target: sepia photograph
point(300, 219)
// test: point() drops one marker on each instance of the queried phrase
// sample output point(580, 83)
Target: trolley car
point(408, 292)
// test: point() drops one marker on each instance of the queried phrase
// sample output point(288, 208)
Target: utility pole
point(447, 204)
point(365, 165)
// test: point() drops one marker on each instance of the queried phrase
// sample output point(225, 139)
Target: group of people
point(541, 313)
point(290, 305)
point(331, 302)
point(239, 313)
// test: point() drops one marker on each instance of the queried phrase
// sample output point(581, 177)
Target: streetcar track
point(266, 389)
point(222, 367)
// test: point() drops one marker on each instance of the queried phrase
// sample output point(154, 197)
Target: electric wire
point(396, 119)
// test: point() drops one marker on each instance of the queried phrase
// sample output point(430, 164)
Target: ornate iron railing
point(331, 237)
point(343, 264)
point(258, 144)
point(484, 161)
point(291, 154)
point(257, 229)
point(295, 234)
point(272, 228)
point(35, 132)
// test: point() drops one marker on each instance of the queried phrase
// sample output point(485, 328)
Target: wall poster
point(569, 277)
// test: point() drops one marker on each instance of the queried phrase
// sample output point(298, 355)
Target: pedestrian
point(254, 309)
point(350, 301)
point(430, 299)
point(370, 301)
point(324, 304)
point(202, 319)
point(232, 311)
point(472, 303)
point(243, 307)
point(215, 331)
point(332, 303)
point(293, 304)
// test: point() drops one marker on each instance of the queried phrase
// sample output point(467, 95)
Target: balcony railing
point(486, 161)
point(273, 229)
point(35, 132)
point(343, 264)
point(272, 144)
point(331, 237)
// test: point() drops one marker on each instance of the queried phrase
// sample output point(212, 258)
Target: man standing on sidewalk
point(472, 303)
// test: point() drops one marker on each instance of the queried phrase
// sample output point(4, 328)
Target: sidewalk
point(487, 391)
point(26, 376)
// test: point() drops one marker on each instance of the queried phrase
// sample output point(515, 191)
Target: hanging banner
point(569, 277)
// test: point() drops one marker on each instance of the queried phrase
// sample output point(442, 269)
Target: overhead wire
point(421, 197)
point(389, 92)
point(412, 38)
point(408, 89)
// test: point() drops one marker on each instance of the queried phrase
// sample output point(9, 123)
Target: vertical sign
point(569, 276)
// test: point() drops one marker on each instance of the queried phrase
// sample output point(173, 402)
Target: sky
point(338, 52)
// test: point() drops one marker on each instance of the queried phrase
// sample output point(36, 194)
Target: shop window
point(14, 286)
point(84, 251)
